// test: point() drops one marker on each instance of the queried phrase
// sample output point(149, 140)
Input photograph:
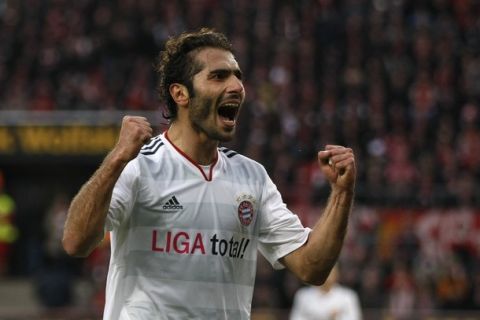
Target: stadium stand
point(398, 81)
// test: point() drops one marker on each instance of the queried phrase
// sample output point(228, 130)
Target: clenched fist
point(134, 133)
point(338, 165)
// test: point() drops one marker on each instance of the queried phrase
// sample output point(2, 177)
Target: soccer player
point(186, 216)
point(328, 301)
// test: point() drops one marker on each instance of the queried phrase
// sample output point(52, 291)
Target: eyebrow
point(237, 72)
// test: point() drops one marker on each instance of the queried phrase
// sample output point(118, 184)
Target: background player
point(328, 301)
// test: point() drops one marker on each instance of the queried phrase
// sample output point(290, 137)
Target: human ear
point(179, 94)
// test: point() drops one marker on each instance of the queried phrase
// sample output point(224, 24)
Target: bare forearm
point(326, 239)
point(313, 261)
point(87, 213)
point(88, 210)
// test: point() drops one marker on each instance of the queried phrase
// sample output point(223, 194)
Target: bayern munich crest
point(246, 208)
point(245, 212)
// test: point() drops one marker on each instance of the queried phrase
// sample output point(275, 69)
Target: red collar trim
point(210, 173)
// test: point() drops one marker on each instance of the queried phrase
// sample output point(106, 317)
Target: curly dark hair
point(177, 64)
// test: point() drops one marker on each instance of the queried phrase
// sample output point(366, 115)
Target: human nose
point(235, 85)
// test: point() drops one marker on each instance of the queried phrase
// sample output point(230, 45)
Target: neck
point(197, 146)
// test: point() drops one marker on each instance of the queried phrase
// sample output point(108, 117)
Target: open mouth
point(228, 112)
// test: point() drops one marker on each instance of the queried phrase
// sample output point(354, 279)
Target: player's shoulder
point(234, 157)
point(306, 291)
point(345, 291)
point(241, 164)
point(150, 154)
point(229, 153)
point(154, 147)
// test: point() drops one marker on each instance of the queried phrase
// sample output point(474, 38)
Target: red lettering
point(169, 236)
point(178, 242)
point(198, 244)
point(154, 242)
point(185, 244)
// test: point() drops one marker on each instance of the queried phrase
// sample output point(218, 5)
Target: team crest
point(245, 210)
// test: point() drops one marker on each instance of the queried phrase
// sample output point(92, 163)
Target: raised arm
point(85, 222)
point(313, 261)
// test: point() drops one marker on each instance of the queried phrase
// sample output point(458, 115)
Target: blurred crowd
point(398, 81)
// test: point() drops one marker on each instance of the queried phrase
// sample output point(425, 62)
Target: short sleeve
point(123, 196)
point(281, 231)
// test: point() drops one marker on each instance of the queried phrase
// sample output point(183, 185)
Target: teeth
point(230, 105)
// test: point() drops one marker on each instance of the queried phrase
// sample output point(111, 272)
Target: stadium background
point(398, 81)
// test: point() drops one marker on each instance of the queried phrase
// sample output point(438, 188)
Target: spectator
point(8, 230)
point(55, 276)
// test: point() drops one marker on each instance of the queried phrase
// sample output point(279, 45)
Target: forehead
point(214, 58)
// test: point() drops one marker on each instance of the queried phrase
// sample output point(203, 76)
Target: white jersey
point(184, 241)
point(339, 302)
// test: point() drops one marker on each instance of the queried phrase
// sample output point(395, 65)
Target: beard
point(202, 114)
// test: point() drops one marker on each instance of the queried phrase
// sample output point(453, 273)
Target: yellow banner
point(68, 140)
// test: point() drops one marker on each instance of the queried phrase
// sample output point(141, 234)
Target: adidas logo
point(172, 204)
